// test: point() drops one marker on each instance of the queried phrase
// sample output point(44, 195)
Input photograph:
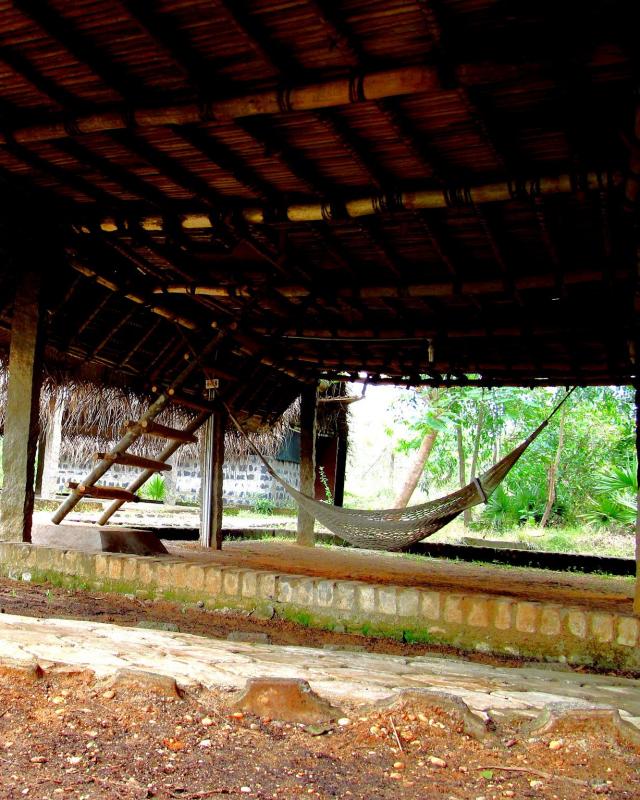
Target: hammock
point(398, 528)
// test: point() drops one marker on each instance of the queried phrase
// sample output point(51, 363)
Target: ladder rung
point(188, 402)
point(163, 432)
point(130, 460)
point(103, 492)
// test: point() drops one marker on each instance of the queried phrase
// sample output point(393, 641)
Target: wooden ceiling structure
point(414, 191)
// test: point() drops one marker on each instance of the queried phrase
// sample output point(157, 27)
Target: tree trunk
point(461, 458)
point(416, 470)
point(468, 516)
point(553, 474)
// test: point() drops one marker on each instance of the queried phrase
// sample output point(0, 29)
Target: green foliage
point(325, 483)
point(154, 489)
point(596, 477)
point(264, 506)
point(609, 511)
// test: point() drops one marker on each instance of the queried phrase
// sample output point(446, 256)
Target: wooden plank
point(131, 460)
point(103, 492)
point(150, 428)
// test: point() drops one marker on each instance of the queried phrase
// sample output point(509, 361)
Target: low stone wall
point(485, 623)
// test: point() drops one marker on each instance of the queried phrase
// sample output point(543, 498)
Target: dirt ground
point(614, 594)
point(66, 736)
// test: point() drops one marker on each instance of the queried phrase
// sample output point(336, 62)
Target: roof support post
point(636, 602)
point(308, 427)
point(341, 457)
point(22, 413)
point(212, 479)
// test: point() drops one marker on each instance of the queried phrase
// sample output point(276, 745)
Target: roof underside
point(436, 191)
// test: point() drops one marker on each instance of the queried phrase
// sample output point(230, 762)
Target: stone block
point(430, 603)
point(101, 561)
point(231, 582)
point(249, 587)
point(130, 569)
point(267, 585)
point(551, 620)
point(527, 617)
point(408, 602)
point(503, 614)
point(195, 573)
point(303, 592)
point(147, 571)
point(366, 598)
point(478, 612)
point(324, 593)
point(212, 580)
point(577, 623)
point(287, 699)
point(165, 574)
point(387, 600)
point(78, 563)
point(627, 631)
point(602, 627)
point(145, 682)
point(286, 588)
point(114, 568)
point(344, 595)
point(453, 609)
point(182, 576)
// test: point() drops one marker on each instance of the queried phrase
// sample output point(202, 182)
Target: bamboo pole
point(369, 205)
point(371, 86)
point(394, 291)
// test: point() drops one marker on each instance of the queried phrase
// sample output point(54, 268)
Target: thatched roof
point(94, 416)
point(419, 191)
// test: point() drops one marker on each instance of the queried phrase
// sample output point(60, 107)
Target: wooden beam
point(341, 452)
point(308, 428)
point(21, 427)
point(369, 205)
point(211, 504)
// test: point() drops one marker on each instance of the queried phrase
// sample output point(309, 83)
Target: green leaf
point(487, 773)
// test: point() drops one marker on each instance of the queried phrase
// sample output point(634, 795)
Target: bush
point(262, 505)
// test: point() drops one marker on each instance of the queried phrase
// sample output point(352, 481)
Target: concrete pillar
point(341, 457)
point(21, 428)
point(171, 482)
point(212, 479)
point(52, 447)
point(308, 425)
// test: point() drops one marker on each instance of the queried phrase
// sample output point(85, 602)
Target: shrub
point(262, 505)
point(154, 489)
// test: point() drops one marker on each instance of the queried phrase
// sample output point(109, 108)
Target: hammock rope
point(398, 528)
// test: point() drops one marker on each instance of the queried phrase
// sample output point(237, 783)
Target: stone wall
point(480, 622)
point(244, 481)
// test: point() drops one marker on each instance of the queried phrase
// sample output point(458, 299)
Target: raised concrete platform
point(92, 538)
point(578, 619)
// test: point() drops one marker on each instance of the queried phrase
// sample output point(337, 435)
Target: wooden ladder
point(145, 426)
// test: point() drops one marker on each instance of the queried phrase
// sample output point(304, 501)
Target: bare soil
point(66, 736)
point(614, 594)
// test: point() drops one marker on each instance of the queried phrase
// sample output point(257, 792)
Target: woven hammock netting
point(399, 528)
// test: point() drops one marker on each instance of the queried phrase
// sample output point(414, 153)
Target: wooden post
point(22, 414)
point(212, 478)
point(636, 603)
point(308, 416)
point(341, 458)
